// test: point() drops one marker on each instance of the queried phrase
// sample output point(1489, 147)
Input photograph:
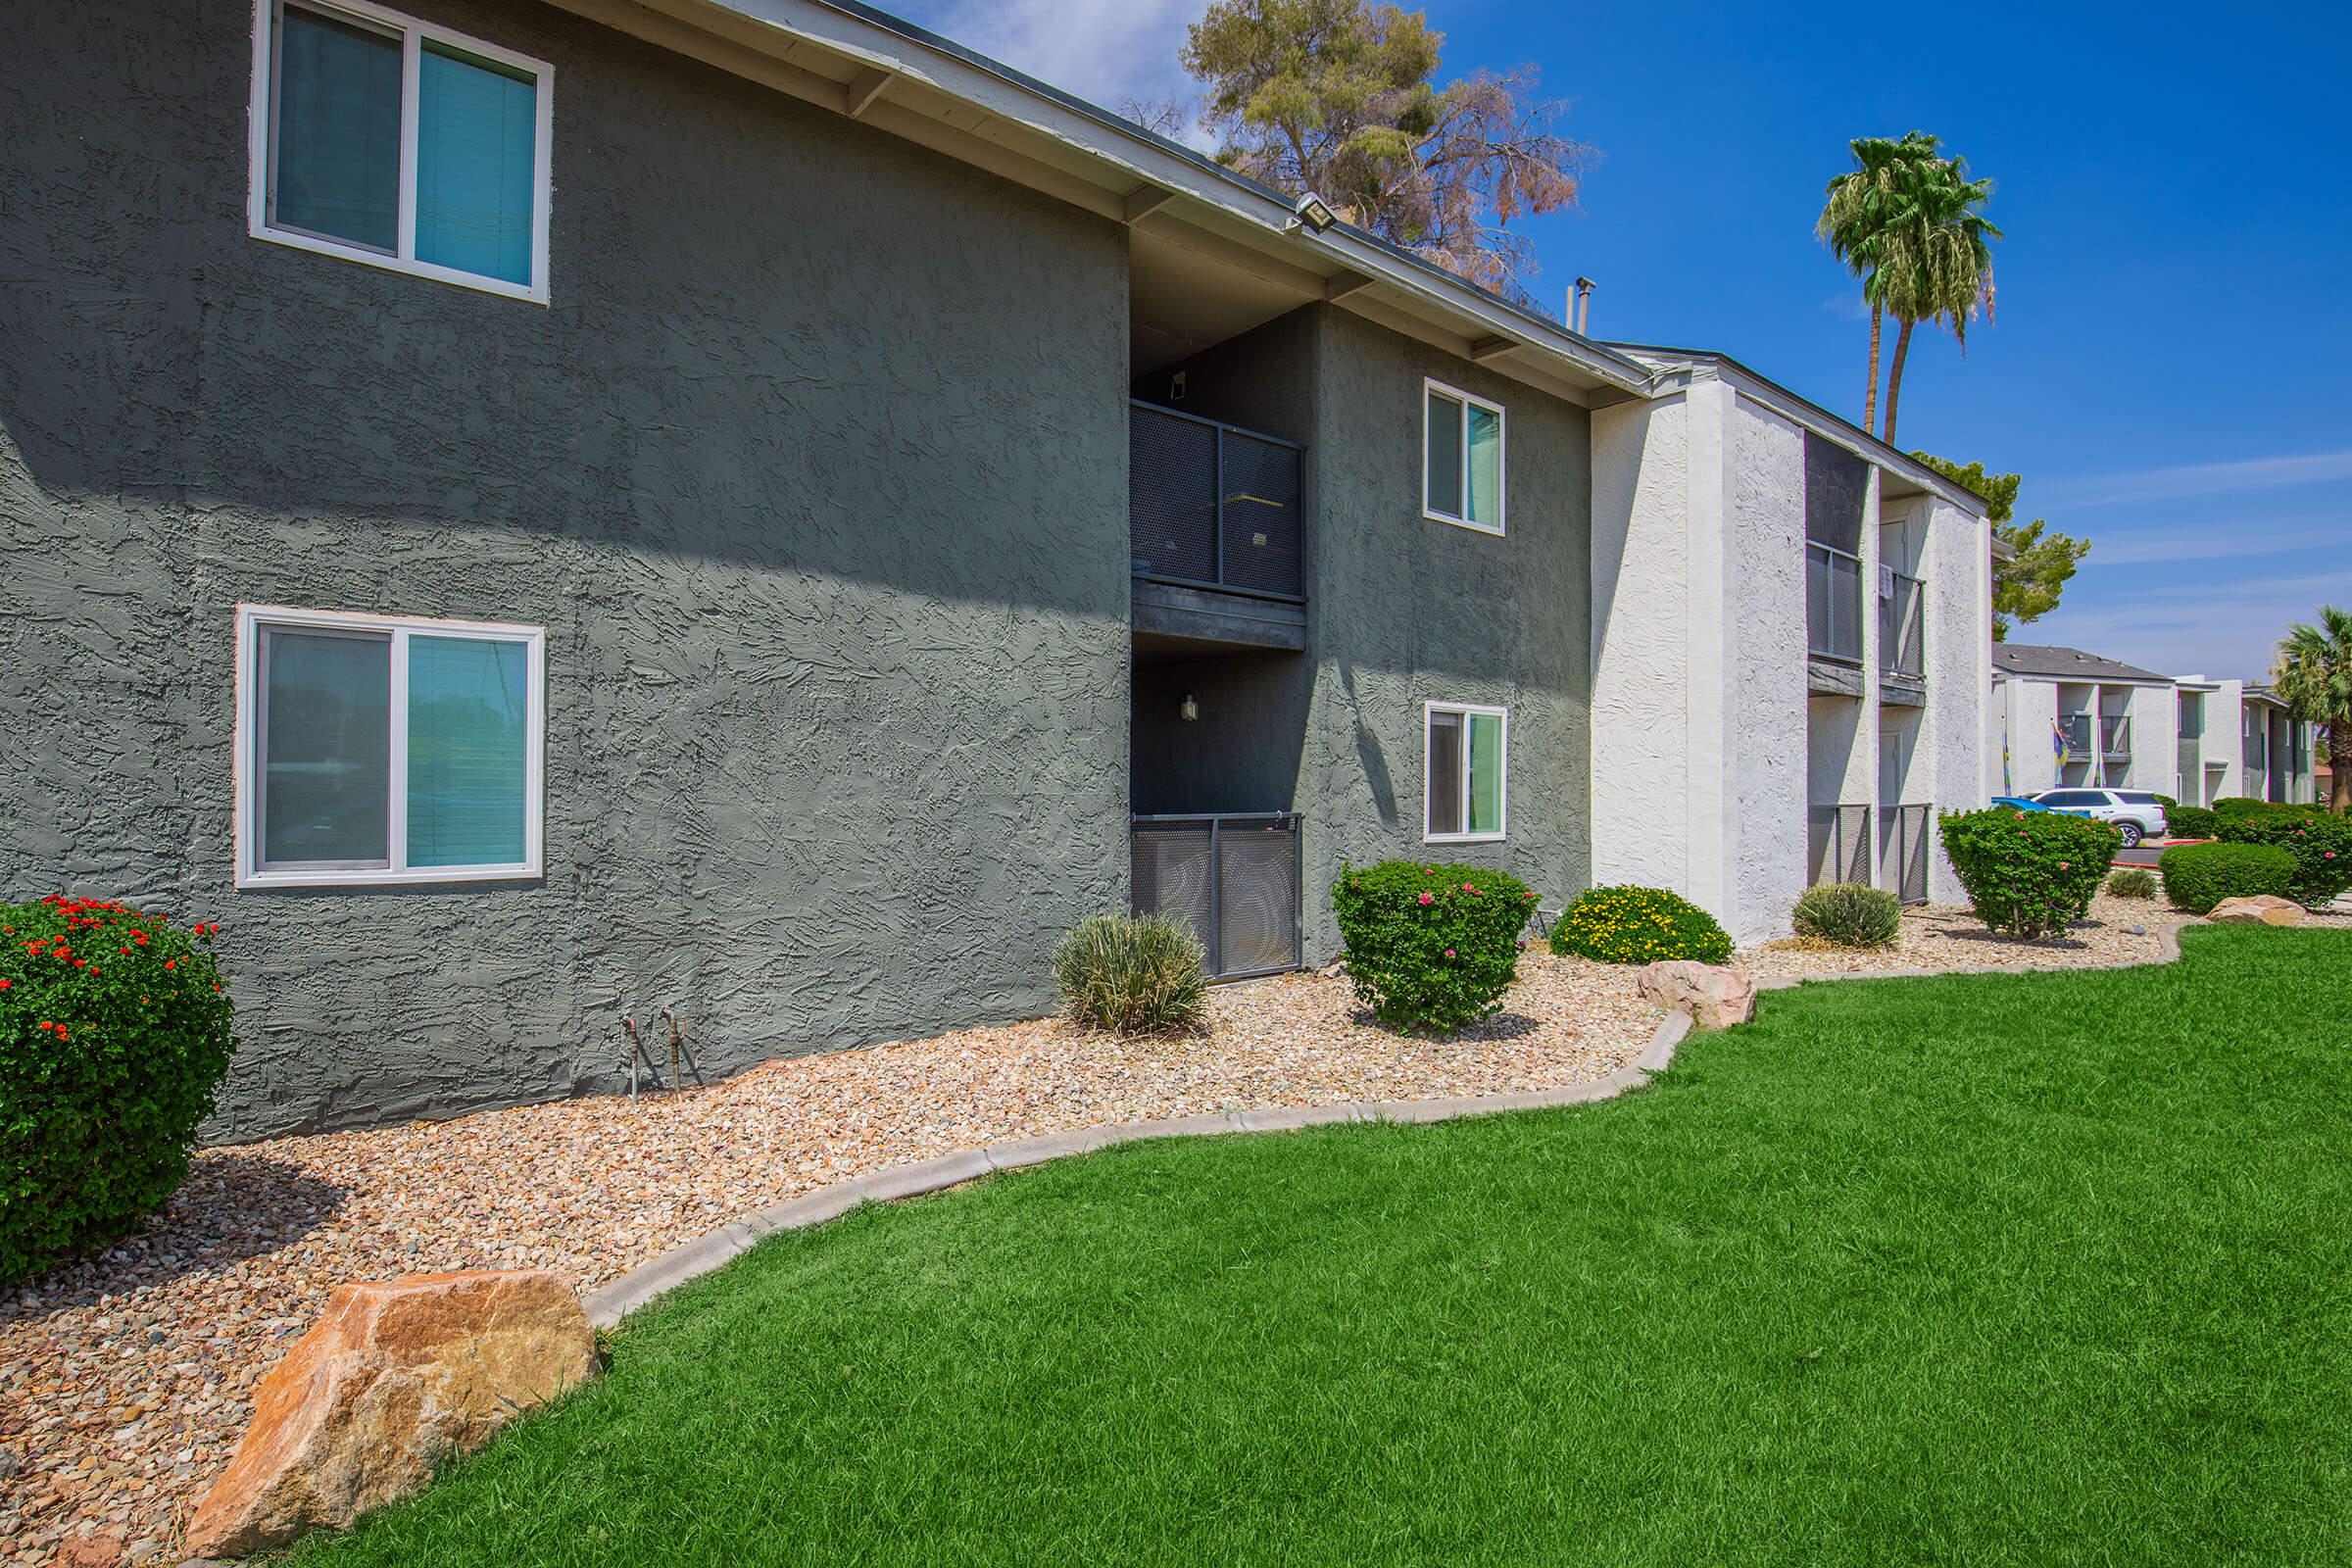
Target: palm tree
point(2312, 676)
point(1859, 205)
point(1933, 258)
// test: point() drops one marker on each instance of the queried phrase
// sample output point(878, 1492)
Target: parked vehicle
point(2135, 814)
point(2019, 802)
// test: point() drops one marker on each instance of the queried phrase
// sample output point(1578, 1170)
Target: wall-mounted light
point(1316, 213)
point(1188, 710)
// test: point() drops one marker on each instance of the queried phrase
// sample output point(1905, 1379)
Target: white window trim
point(250, 619)
point(1502, 453)
point(1502, 792)
point(412, 35)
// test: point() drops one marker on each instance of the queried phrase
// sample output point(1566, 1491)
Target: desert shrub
point(2191, 822)
point(114, 1037)
point(1640, 926)
point(2029, 873)
point(1848, 914)
point(1430, 948)
point(1132, 974)
point(2321, 844)
point(2198, 876)
point(2132, 882)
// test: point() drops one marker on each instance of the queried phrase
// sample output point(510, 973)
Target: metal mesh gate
point(1234, 878)
point(1839, 847)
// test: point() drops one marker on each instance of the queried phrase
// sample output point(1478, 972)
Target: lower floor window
point(1464, 785)
point(379, 750)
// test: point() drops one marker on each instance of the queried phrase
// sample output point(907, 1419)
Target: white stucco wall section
point(1956, 565)
point(1764, 838)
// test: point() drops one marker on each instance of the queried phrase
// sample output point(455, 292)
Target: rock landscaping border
point(607, 1306)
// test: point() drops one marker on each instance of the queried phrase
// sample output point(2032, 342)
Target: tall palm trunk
point(2339, 766)
point(1894, 376)
point(1870, 399)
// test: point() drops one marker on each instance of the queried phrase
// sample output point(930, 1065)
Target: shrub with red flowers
point(114, 1037)
point(1430, 948)
point(2322, 845)
point(2028, 874)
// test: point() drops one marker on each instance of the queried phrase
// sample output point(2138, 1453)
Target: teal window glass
point(325, 734)
point(477, 124)
point(469, 752)
point(1486, 774)
point(335, 154)
point(1442, 483)
point(1485, 468)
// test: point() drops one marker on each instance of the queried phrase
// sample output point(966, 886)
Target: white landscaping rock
point(2263, 909)
point(1714, 997)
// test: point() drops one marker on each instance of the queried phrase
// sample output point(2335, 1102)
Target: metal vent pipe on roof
point(1580, 310)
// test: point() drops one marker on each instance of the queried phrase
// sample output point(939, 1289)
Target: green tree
point(1856, 210)
point(2028, 585)
point(2312, 676)
point(1337, 96)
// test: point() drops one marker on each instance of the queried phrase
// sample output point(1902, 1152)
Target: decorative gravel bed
point(124, 1380)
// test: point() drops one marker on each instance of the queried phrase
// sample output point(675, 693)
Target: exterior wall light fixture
point(1316, 213)
point(1188, 710)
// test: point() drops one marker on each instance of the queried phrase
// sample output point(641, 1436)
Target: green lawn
point(2040, 1269)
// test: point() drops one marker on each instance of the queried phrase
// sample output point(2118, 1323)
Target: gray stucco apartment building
point(528, 511)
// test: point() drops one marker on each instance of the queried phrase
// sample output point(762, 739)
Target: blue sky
point(2169, 367)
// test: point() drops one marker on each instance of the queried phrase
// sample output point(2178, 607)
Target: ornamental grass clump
point(2132, 882)
point(1638, 925)
point(114, 1037)
point(1132, 974)
point(2028, 874)
point(1847, 915)
point(1430, 948)
point(2321, 844)
point(2198, 876)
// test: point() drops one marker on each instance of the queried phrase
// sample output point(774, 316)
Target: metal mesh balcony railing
point(1833, 603)
point(1233, 877)
point(1903, 638)
point(1838, 844)
point(2115, 734)
point(2075, 730)
point(1211, 504)
point(1909, 867)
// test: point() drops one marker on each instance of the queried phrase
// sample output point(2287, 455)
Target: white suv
point(2136, 813)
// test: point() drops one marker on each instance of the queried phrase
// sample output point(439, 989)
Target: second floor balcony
point(1217, 530)
point(2115, 735)
point(1903, 638)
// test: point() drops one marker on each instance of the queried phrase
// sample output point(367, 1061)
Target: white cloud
point(2195, 479)
point(1103, 50)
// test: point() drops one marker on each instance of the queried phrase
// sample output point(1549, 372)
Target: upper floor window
point(377, 749)
point(1461, 458)
point(406, 146)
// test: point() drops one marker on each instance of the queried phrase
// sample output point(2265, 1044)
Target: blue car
point(2018, 803)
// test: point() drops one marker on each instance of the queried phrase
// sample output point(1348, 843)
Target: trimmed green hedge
point(114, 1037)
point(1640, 926)
point(2198, 876)
point(1430, 948)
point(2029, 873)
point(2321, 844)
point(2192, 822)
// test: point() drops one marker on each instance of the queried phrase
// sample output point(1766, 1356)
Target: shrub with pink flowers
point(114, 1037)
point(2322, 845)
point(2028, 874)
point(1430, 948)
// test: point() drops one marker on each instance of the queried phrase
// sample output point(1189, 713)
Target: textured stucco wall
point(1767, 703)
point(825, 519)
point(1954, 553)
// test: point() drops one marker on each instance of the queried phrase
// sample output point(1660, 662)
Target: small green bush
point(1638, 925)
point(1848, 914)
point(1430, 948)
point(2198, 876)
point(2167, 802)
point(2029, 873)
point(2240, 806)
point(114, 1037)
point(2321, 844)
point(2191, 822)
point(2132, 882)
point(1132, 974)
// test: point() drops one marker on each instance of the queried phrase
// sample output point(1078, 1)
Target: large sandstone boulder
point(2261, 908)
point(1713, 996)
point(393, 1376)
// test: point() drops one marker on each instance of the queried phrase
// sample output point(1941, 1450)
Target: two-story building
point(529, 512)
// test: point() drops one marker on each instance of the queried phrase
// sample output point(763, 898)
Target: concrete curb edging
point(610, 1303)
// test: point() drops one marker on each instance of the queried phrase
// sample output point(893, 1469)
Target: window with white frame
point(390, 141)
point(386, 749)
point(1464, 787)
point(1461, 458)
